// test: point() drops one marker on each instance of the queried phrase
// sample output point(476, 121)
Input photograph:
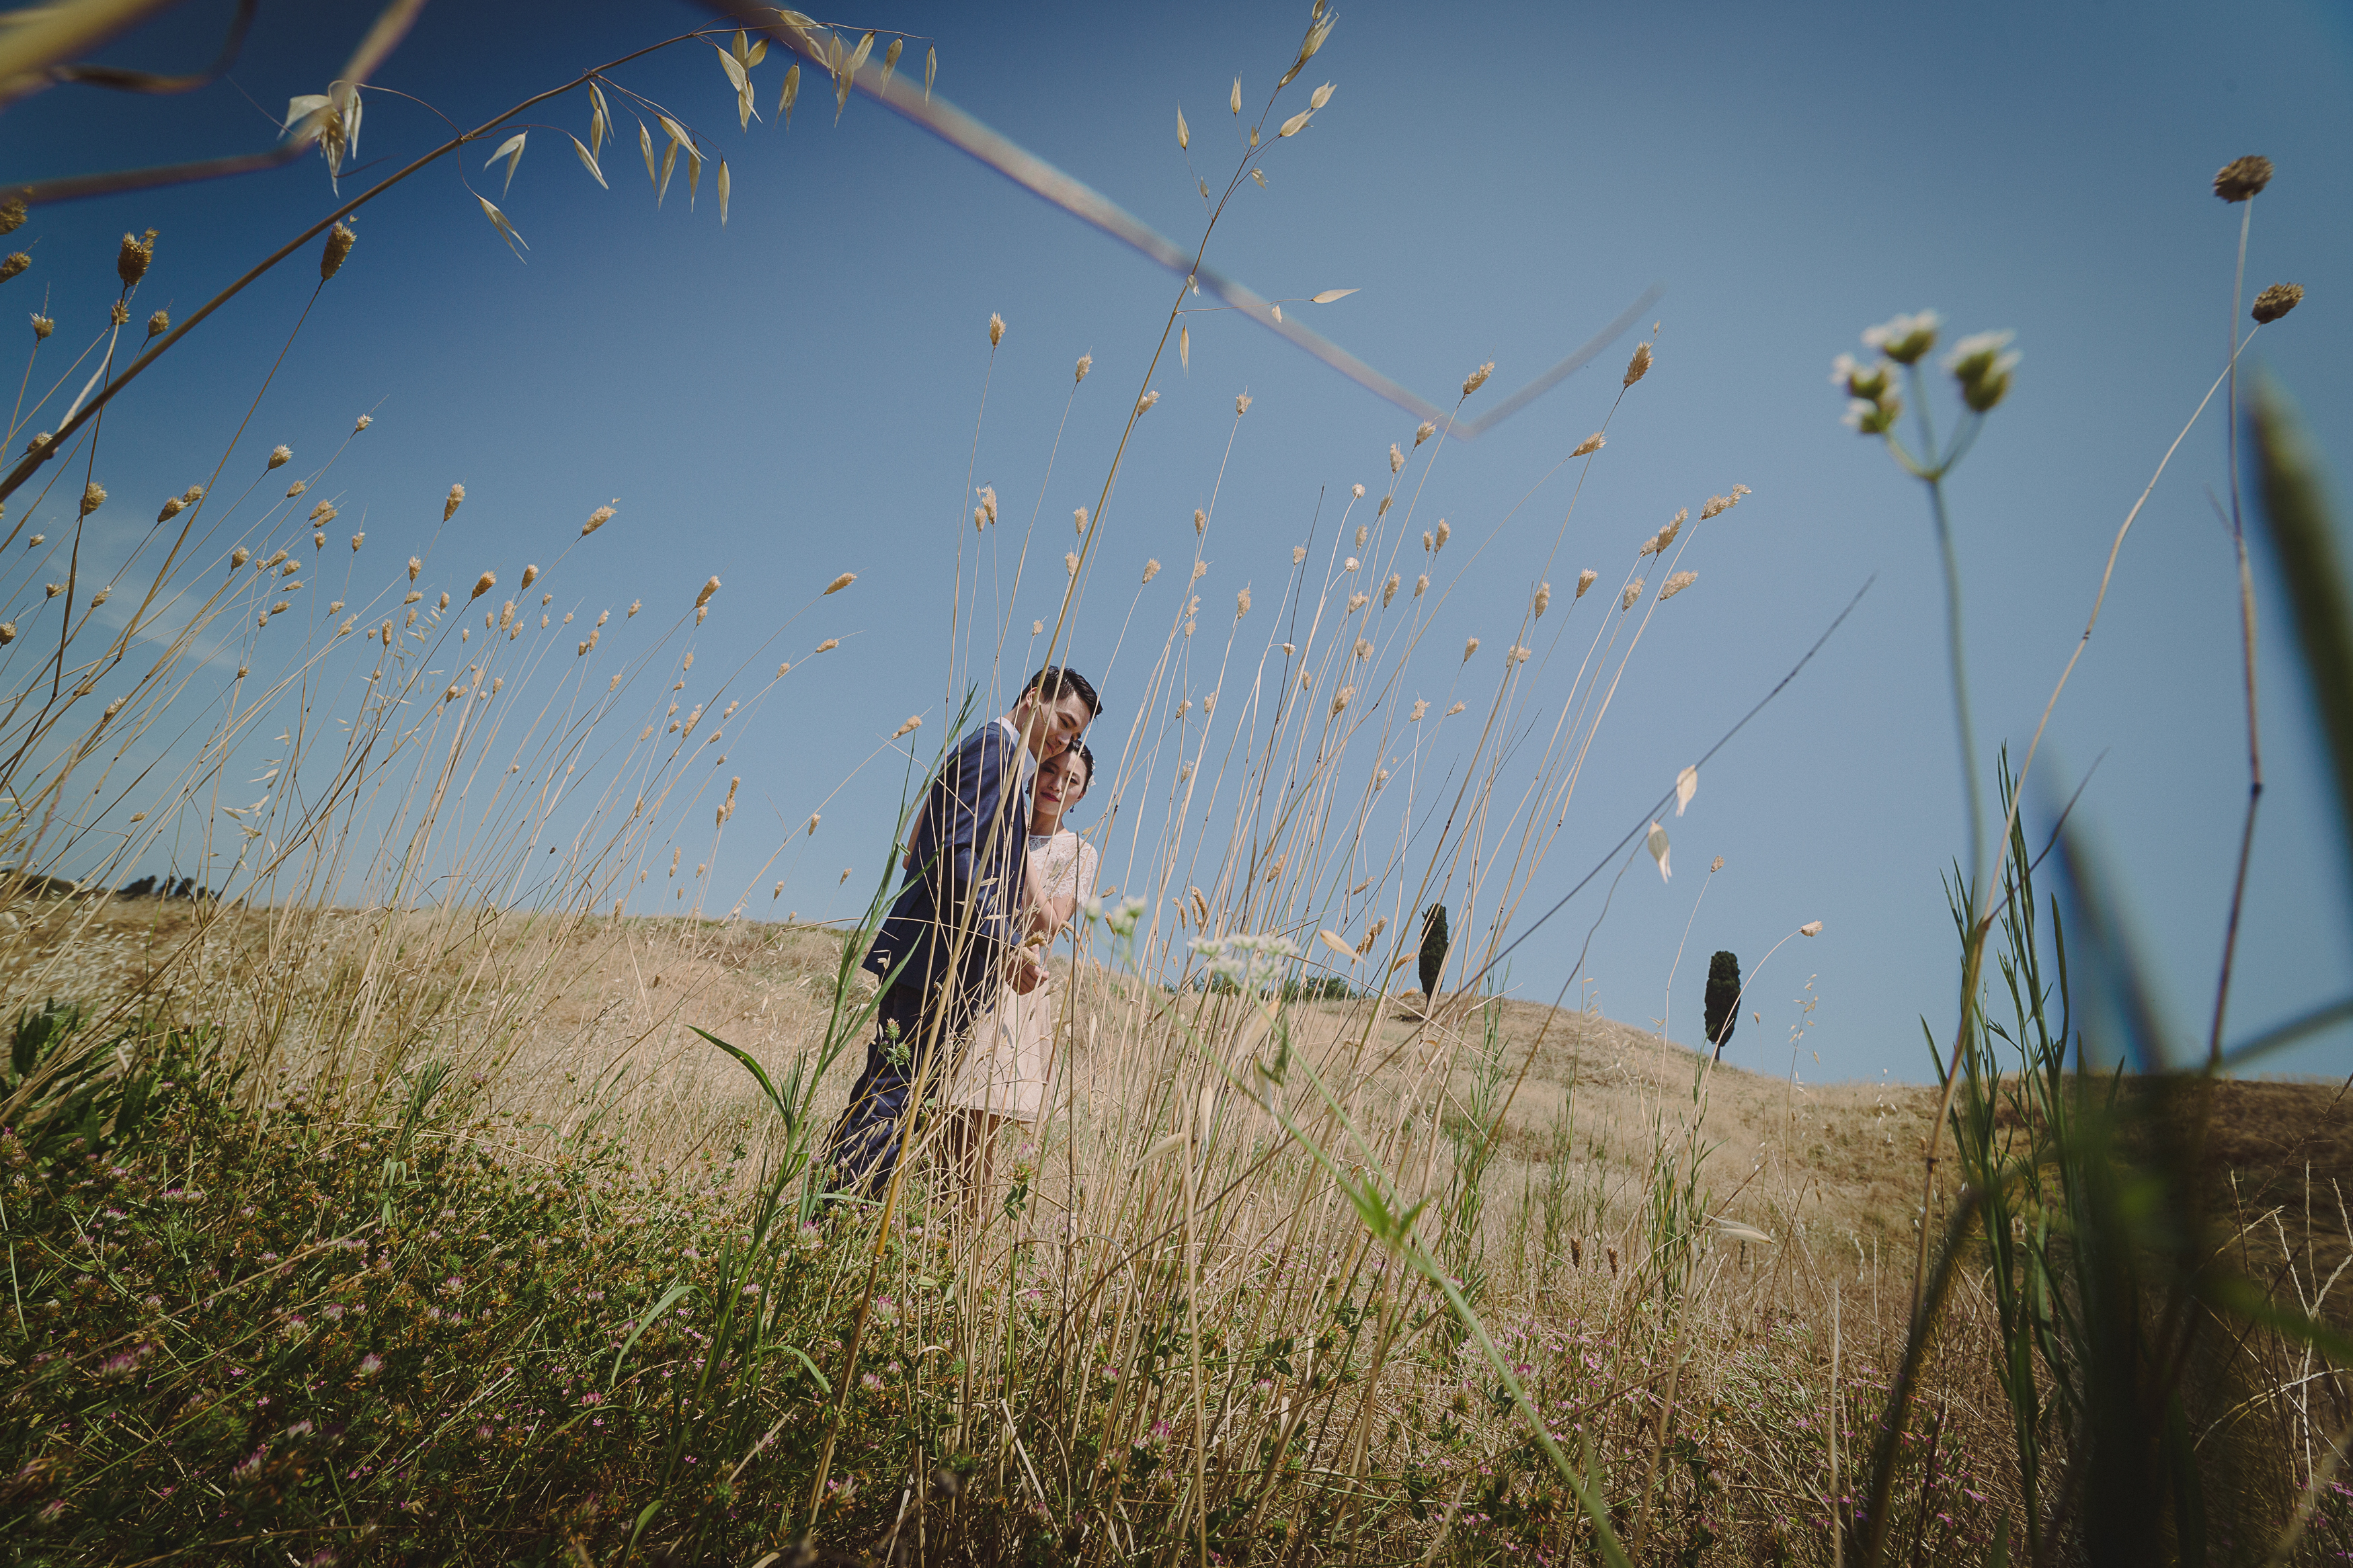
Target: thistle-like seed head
point(132, 261)
point(1358, 492)
point(2277, 300)
point(1905, 339)
point(2242, 177)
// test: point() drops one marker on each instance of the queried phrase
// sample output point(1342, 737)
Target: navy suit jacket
point(962, 892)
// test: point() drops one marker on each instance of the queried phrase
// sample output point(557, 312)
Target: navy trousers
point(864, 1148)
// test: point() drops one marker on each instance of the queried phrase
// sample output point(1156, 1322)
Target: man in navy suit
point(955, 932)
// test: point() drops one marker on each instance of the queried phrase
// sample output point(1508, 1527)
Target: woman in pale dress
point(1009, 1062)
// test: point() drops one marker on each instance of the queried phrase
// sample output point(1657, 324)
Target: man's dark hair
point(1056, 680)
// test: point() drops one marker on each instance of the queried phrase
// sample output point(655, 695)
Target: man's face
point(1049, 729)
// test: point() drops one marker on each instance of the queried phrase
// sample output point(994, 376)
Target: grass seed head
point(2277, 300)
point(358, 540)
point(1424, 432)
point(11, 215)
point(1637, 367)
point(2242, 178)
point(482, 585)
point(1079, 373)
point(414, 566)
point(172, 508)
point(1717, 505)
point(1420, 708)
point(297, 488)
point(1811, 928)
point(93, 496)
point(1201, 522)
point(1078, 520)
point(1241, 604)
point(1586, 579)
point(600, 517)
point(1542, 599)
point(1469, 647)
point(1676, 584)
point(530, 575)
point(703, 597)
point(1341, 699)
point(281, 456)
point(1151, 570)
point(158, 323)
point(12, 263)
point(1443, 533)
point(238, 557)
point(828, 645)
point(996, 329)
point(1451, 712)
point(1242, 404)
point(1147, 401)
point(1591, 444)
point(1478, 378)
point(340, 241)
point(42, 327)
point(120, 315)
point(1633, 592)
point(1390, 590)
point(839, 584)
point(1421, 585)
point(132, 261)
point(362, 423)
point(1397, 459)
point(1298, 553)
point(457, 498)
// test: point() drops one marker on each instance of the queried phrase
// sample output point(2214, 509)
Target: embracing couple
point(966, 1018)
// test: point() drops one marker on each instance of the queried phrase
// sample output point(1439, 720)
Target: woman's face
point(1061, 783)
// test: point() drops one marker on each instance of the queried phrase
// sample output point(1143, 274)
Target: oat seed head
point(1147, 401)
point(2242, 178)
point(1637, 367)
point(2277, 300)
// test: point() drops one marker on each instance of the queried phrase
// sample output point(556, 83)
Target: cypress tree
point(1723, 999)
point(1433, 950)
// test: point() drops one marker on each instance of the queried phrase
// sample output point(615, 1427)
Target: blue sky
point(795, 394)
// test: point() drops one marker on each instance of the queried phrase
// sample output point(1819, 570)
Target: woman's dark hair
point(1080, 748)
